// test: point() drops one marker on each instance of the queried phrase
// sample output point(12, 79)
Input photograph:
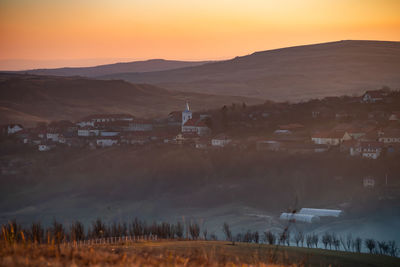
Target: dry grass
point(182, 253)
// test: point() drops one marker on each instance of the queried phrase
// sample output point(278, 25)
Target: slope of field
point(135, 66)
point(293, 73)
point(185, 253)
point(29, 98)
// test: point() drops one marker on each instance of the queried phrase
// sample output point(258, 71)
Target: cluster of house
point(105, 130)
point(367, 142)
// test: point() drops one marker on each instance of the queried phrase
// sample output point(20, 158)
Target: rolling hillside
point(28, 99)
point(294, 73)
point(135, 66)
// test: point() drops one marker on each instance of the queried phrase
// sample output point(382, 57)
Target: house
point(371, 150)
point(52, 135)
point(373, 96)
point(107, 141)
point(369, 182)
point(135, 138)
point(140, 125)
point(202, 143)
point(220, 140)
point(196, 125)
point(333, 138)
point(87, 131)
point(109, 133)
point(12, 128)
point(101, 118)
point(390, 136)
point(395, 116)
point(45, 147)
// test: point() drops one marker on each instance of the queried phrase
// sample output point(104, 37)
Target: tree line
point(58, 233)
point(312, 240)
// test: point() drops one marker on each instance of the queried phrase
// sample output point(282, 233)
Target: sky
point(55, 33)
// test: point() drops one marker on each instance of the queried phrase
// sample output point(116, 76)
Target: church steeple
point(186, 114)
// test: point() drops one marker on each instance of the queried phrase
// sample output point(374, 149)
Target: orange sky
point(51, 33)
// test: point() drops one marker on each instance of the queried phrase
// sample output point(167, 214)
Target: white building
point(371, 150)
point(107, 141)
point(13, 128)
point(186, 114)
point(369, 182)
point(52, 136)
point(88, 131)
point(333, 138)
point(321, 212)
point(390, 136)
point(296, 217)
point(220, 140)
point(44, 147)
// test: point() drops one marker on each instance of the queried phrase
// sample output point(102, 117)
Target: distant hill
point(294, 73)
point(135, 66)
point(31, 98)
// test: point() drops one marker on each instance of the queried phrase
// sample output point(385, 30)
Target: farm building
point(296, 217)
point(321, 212)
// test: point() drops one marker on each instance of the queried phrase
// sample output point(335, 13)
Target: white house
point(107, 141)
point(52, 136)
point(371, 150)
point(333, 138)
point(220, 140)
point(109, 133)
point(390, 136)
point(44, 147)
point(373, 96)
point(88, 131)
point(369, 182)
point(395, 116)
point(12, 128)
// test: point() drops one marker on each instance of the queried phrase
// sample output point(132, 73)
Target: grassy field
point(184, 253)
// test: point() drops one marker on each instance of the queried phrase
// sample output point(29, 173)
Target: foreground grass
point(184, 253)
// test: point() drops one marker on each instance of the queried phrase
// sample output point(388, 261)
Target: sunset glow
point(75, 31)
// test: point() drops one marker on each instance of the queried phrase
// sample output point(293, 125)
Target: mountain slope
point(293, 73)
point(30, 98)
point(135, 66)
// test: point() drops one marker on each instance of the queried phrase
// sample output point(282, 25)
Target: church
point(194, 123)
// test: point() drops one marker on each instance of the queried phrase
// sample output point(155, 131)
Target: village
point(366, 126)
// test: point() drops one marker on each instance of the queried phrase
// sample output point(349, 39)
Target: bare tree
point(179, 229)
point(315, 240)
point(299, 238)
point(309, 240)
point(205, 232)
point(270, 237)
point(228, 234)
point(392, 248)
point(77, 231)
point(357, 244)
point(370, 244)
point(194, 230)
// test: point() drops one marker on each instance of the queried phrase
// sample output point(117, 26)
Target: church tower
point(186, 114)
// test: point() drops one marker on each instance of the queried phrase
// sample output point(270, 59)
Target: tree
point(270, 237)
point(392, 248)
point(77, 231)
point(309, 241)
point(315, 240)
point(179, 229)
point(357, 244)
point(299, 238)
point(228, 234)
point(194, 230)
point(370, 244)
point(205, 233)
point(256, 237)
